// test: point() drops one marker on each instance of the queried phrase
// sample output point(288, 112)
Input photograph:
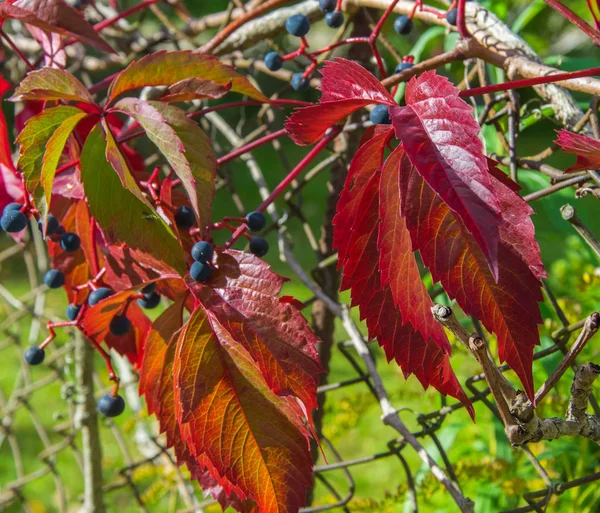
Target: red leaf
point(508, 306)
point(586, 149)
point(10, 182)
point(96, 320)
point(397, 262)
point(243, 297)
point(347, 80)
point(54, 16)
point(73, 265)
point(357, 229)
point(346, 87)
point(441, 139)
point(400, 341)
point(129, 268)
point(228, 416)
point(155, 348)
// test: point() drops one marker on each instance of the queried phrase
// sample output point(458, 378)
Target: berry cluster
point(15, 218)
point(298, 25)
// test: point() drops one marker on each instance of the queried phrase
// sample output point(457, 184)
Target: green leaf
point(34, 138)
point(119, 164)
point(185, 146)
point(54, 149)
point(122, 216)
point(167, 68)
point(51, 84)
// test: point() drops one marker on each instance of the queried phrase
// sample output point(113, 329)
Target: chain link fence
point(57, 454)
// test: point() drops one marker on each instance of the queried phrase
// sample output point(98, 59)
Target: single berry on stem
point(73, 311)
point(13, 221)
point(202, 251)
point(452, 17)
point(327, 5)
point(149, 301)
point(52, 227)
point(120, 325)
point(70, 242)
point(300, 82)
point(13, 206)
point(334, 19)
point(259, 246)
point(184, 217)
point(54, 279)
point(403, 25)
point(297, 25)
point(98, 295)
point(273, 61)
point(256, 221)
point(403, 66)
point(380, 115)
point(200, 272)
point(34, 355)
point(149, 289)
point(111, 406)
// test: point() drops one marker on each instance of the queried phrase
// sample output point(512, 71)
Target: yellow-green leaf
point(54, 149)
point(51, 84)
point(167, 68)
point(122, 216)
point(185, 146)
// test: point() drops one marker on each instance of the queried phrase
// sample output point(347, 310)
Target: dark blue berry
point(403, 25)
point(184, 217)
point(273, 61)
point(34, 355)
point(452, 17)
point(256, 221)
point(149, 289)
point(299, 82)
point(403, 66)
point(98, 295)
point(327, 5)
point(334, 19)
point(380, 115)
point(13, 206)
point(13, 221)
point(202, 251)
point(54, 279)
point(110, 406)
point(70, 242)
point(297, 25)
point(259, 246)
point(73, 311)
point(200, 272)
point(52, 227)
point(120, 325)
point(149, 301)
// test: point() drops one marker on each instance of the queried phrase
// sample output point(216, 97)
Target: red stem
point(16, 49)
point(95, 260)
point(333, 133)
point(528, 82)
point(461, 21)
point(250, 146)
point(293, 174)
point(124, 14)
point(98, 27)
point(576, 20)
